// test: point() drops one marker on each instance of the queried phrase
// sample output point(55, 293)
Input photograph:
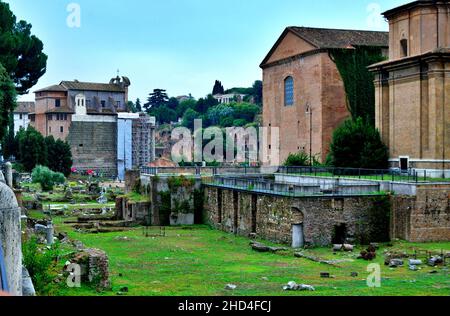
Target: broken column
point(10, 238)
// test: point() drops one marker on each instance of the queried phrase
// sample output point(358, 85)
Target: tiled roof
point(62, 109)
point(335, 38)
point(84, 86)
point(91, 86)
point(54, 88)
point(24, 107)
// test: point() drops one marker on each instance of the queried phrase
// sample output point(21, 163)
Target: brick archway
point(297, 216)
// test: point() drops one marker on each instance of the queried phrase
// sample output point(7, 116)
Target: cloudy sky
point(178, 45)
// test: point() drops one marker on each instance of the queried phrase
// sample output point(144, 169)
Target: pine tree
point(138, 105)
point(218, 88)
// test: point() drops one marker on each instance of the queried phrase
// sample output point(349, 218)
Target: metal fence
point(324, 187)
point(197, 170)
point(409, 176)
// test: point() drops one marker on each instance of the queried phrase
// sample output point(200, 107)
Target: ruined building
point(413, 87)
point(304, 93)
point(10, 237)
point(87, 115)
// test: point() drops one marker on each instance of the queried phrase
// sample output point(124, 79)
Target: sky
point(182, 46)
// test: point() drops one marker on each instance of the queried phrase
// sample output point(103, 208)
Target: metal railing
point(197, 170)
point(407, 176)
point(324, 187)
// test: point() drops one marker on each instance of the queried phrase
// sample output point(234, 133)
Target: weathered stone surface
point(95, 267)
point(293, 286)
point(10, 238)
point(274, 216)
point(394, 263)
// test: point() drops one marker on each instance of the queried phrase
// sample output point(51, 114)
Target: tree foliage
point(32, 149)
point(300, 159)
point(47, 178)
point(218, 88)
point(20, 52)
point(7, 100)
point(357, 144)
point(138, 105)
point(156, 99)
point(59, 155)
point(358, 81)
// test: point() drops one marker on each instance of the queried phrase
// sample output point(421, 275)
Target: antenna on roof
point(118, 72)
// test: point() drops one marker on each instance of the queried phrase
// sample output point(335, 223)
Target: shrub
point(356, 144)
point(300, 159)
point(47, 178)
point(39, 263)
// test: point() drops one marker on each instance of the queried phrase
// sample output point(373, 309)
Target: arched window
point(404, 47)
point(289, 91)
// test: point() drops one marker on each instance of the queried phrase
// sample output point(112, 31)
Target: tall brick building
point(87, 116)
point(301, 84)
point(413, 87)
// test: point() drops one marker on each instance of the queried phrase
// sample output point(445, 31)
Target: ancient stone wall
point(94, 146)
point(430, 214)
point(10, 238)
point(272, 217)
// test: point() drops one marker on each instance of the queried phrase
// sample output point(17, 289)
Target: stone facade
point(303, 55)
point(94, 145)
point(272, 217)
point(413, 86)
point(424, 217)
point(10, 238)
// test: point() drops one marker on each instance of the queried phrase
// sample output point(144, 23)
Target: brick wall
point(94, 146)
point(234, 211)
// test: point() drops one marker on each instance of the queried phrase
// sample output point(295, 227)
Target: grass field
point(200, 261)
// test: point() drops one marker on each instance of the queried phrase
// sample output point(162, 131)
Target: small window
point(61, 129)
point(103, 103)
point(118, 103)
point(50, 117)
point(57, 103)
point(289, 91)
point(32, 118)
point(404, 47)
point(20, 116)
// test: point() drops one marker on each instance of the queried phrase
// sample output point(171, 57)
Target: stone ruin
point(10, 234)
point(94, 265)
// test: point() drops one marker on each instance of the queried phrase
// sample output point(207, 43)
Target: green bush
point(47, 178)
point(357, 144)
point(300, 159)
point(39, 263)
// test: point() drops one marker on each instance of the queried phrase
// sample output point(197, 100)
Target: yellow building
point(413, 88)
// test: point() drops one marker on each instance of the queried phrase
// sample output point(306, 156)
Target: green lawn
point(200, 261)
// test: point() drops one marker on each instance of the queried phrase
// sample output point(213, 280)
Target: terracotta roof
point(62, 109)
point(54, 88)
point(24, 107)
point(84, 86)
point(334, 38)
point(413, 4)
point(91, 86)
